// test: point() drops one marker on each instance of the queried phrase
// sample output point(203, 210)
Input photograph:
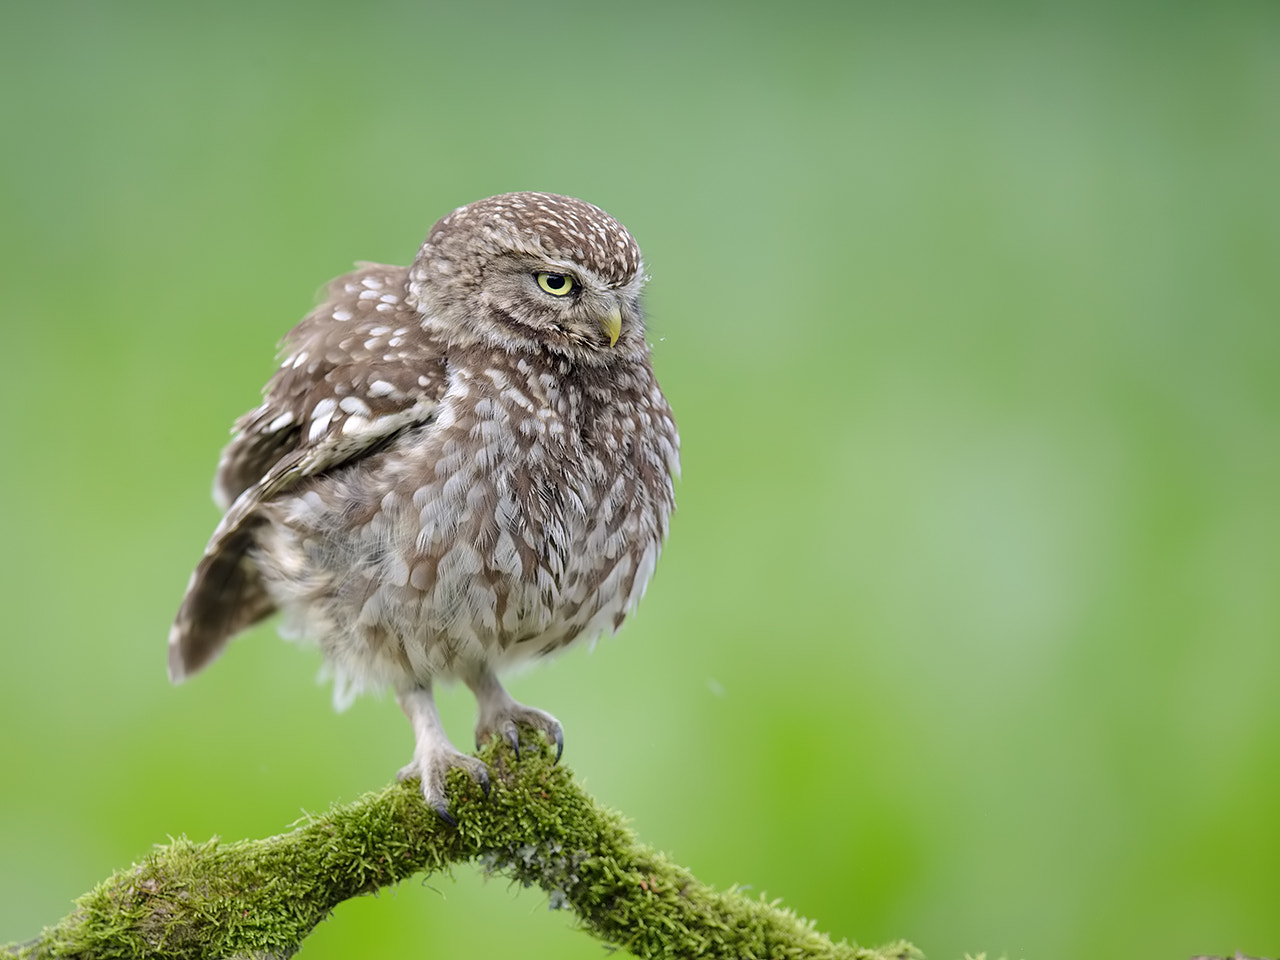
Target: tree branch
point(260, 898)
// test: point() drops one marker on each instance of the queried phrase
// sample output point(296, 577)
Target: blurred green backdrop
point(967, 628)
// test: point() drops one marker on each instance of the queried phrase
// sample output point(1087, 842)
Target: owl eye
point(556, 284)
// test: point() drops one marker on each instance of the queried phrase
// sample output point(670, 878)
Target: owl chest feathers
point(529, 513)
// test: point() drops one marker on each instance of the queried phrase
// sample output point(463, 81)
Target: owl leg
point(433, 753)
point(500, 715)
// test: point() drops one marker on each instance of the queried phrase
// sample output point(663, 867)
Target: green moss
point(260, 898)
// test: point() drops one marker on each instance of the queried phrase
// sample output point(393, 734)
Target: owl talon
point(501, 716)
point(433, 779)
point(442, 811)
point(433, 755)
point(557, 738)
point(508, 728)
point(512, 734)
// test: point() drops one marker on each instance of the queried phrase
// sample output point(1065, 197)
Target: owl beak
point(611, 324)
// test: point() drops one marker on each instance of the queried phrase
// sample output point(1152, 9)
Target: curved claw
point(511, 733)
point(431, 773)
point(501, 716)
point(557, 737)
point(442, 811)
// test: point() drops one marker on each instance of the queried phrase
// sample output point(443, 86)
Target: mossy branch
point(260, 898)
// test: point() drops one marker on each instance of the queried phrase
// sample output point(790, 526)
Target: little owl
point(459, 466)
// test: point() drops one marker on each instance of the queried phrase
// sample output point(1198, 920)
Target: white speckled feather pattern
point(520, 519)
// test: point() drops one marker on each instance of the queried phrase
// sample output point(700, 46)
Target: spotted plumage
point(458, 466)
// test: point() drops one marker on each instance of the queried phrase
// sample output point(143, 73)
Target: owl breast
point(527, 516)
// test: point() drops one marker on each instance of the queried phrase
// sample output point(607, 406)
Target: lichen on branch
point(260, 898)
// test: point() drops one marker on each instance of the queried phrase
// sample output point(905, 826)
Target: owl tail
point(225, 596)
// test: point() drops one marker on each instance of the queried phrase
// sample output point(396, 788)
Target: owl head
point(535, 271)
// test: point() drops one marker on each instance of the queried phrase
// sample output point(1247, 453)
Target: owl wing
point(356, 371)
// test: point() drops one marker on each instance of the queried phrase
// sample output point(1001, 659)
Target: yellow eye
point(556, 284)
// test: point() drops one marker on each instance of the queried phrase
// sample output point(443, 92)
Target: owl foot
point(433, 754)
point(432, 767)
point(506, 724)
point(501, 716)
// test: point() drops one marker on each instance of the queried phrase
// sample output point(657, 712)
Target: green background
point(967, 631)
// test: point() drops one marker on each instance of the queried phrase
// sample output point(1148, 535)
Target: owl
point(459, 466)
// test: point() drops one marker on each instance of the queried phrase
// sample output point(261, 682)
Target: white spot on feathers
point(324, 409)
point(280, 422)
